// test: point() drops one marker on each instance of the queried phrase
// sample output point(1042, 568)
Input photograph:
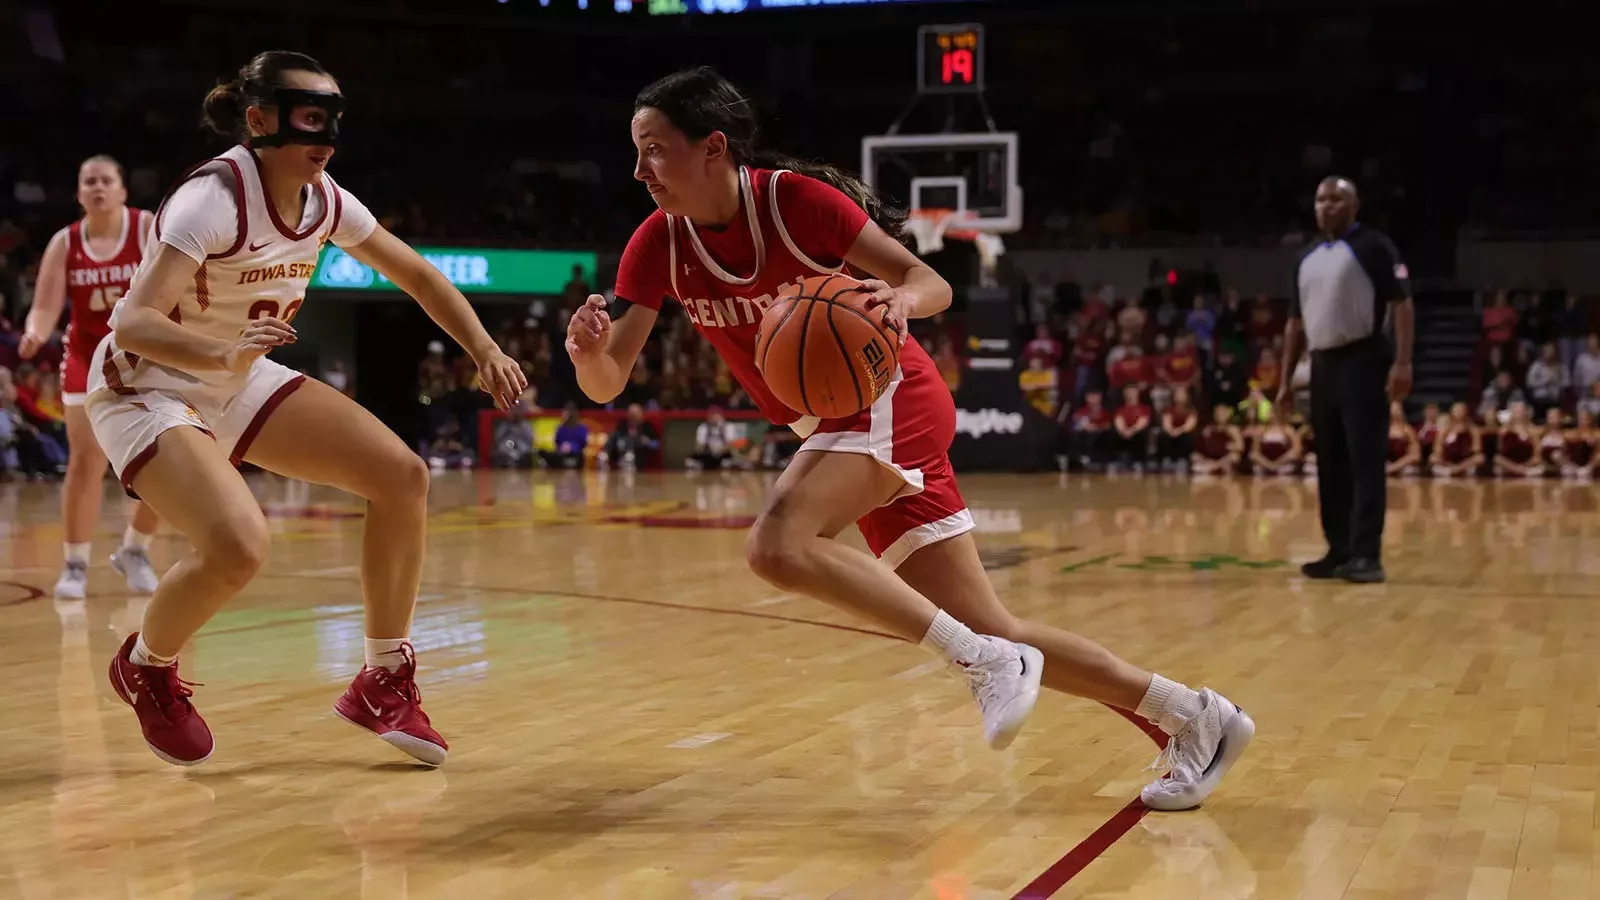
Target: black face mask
point(304, 117)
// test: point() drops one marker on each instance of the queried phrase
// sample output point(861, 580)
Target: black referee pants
point(1350, 414)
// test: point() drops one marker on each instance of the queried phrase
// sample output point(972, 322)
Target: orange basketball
point(823, 352)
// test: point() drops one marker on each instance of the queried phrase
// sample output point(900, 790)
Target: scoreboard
point(950, 59)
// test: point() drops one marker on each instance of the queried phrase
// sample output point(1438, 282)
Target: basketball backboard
point(971, 172)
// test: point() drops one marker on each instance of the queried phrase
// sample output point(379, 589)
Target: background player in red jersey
point(87, 266)
point(725, 242)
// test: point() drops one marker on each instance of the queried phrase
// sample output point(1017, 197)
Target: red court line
point(1051, 880)
point(1087, 851)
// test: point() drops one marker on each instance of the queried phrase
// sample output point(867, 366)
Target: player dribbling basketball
point(88, 266)
point(728, 239)
point(181, 391)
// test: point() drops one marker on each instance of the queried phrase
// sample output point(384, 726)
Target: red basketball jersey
point(789, 227)
point(94, 285)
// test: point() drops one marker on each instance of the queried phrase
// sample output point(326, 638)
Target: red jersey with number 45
point(789, 227)
point(96, 283)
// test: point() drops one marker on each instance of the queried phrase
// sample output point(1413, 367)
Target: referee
point(1349, 286)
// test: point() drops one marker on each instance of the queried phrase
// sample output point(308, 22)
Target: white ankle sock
point(1168, 704)
point(78, 553)
point(136, 539)
point(955, 641)
point(140, 655)
point(385, 652)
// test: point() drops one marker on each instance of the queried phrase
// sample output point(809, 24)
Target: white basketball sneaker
point(1197, 757)
point(1006, 686)
point(74, 581)
point(133, 564)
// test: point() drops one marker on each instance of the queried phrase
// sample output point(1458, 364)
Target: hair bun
point(224, 107)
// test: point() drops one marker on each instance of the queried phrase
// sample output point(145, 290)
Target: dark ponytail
point(224, 106)
point(699, 101)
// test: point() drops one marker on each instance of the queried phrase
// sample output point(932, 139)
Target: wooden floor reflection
point(633, 715)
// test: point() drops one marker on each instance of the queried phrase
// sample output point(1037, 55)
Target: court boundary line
point(1045, 885)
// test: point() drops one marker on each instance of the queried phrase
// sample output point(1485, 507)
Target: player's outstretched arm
point(499, 374)
point(604, 351)
point(143, 326)
point(49, 297)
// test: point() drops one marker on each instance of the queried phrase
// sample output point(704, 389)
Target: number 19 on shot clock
point(950, 59)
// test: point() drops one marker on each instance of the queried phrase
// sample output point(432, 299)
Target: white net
point(930, 228)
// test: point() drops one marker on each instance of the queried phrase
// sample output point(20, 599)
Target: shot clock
point(950, 59)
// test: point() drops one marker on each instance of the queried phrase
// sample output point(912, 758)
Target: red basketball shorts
point(75, 376)
point(908, 431)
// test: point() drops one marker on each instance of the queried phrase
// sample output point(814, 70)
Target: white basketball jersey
point(264, 274)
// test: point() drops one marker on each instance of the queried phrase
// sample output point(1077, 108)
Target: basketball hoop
point(931, 226)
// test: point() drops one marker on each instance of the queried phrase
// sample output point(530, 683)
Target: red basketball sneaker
point(389, 705)
point(171, 725)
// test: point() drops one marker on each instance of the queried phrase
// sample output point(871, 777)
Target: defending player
point(729, 238)
point(181, 390)
point(87, 266)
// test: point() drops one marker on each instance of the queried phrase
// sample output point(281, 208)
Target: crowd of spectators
point(1262, 106)
point(1152, 383)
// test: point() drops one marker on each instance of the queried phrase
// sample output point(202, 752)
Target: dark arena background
point(1119, 192)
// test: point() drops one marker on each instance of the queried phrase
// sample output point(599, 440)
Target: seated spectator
point(713, 442)
point(1132, 429)
point(1516, 453)
point(571, 440)
point(1276, 447)
point(1128, 370)
point(1158, 375)
point(1131, 321)
point(1308, 451)
point(1088, 375)
point(1256, 406)
point(1459, 447)
point(1579, 456)
point(1179, 422)
point(640, 389)
point(1300, 381)
point(1044, 346)
point(1227, 381)
point(1497, 399)
point(1219, 445)
point(634, 441)
point(1265, 322)
point(1405, 451)
point(1088, 437)
point(1591, 401)
point(336, 377)
point(1546, 379)
point(1201, 323)
point(513, 435)
point(49, 431)
point(1183, 365)
point(446, 450)
point(1428, 432)
point(1553, 443)
point(1586, 367)
point(779, 447)
point(1500, 321)
point(1267, 373)
point(1039, 385)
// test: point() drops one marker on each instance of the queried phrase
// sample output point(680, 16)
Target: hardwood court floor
point(633, 715)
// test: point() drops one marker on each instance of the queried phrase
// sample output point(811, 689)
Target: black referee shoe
point(1326, 567)
point(1361, 571)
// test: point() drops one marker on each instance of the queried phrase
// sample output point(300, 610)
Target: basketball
point(822, 352)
